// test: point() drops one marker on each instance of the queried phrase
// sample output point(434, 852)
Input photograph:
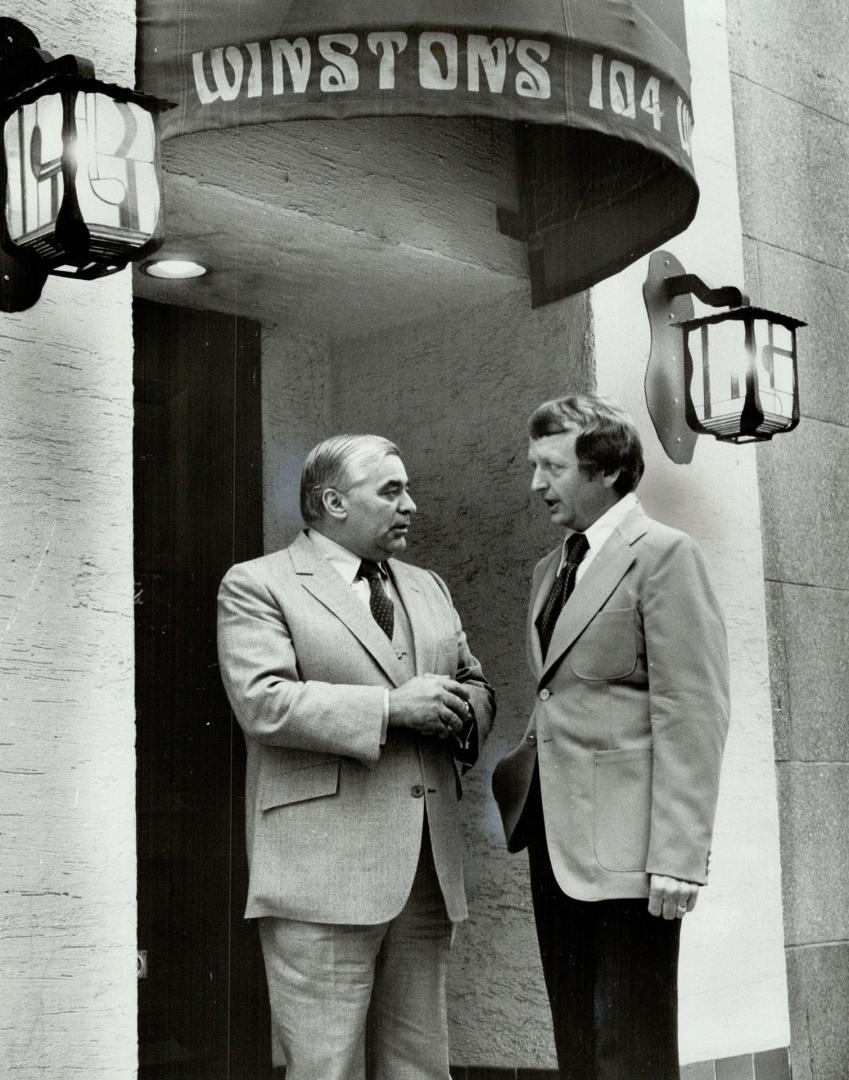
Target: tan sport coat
point(334, 819)
point(630, 717)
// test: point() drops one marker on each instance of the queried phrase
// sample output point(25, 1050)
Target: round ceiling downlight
point(175, 269)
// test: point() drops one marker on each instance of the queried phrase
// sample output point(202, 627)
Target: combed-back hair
point(331, 464)
point(607, 438)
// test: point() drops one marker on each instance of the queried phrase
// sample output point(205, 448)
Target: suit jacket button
point(417, 791)
point(532, 740)
point(544, 694)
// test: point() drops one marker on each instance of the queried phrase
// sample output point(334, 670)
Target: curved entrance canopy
point(600, 89)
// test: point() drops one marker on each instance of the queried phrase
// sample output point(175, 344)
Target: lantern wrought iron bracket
point(668, 292)
point(690, 284)
point(26, 73)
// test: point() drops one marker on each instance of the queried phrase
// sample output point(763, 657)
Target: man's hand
point(670, 897)
point(430, 704)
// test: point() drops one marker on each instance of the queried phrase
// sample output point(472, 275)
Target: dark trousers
point(611, 974)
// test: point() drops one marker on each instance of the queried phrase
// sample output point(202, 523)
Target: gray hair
point(607, 438)
point(330, 464)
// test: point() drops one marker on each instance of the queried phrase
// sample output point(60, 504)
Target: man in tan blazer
point(613, 787)
point(352, 679)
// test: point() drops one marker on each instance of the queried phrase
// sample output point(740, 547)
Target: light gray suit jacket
point(334, 819)
point(630, 717)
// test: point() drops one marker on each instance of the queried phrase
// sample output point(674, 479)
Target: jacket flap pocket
point(299, 785)
point(622, 808)
point(607, 649)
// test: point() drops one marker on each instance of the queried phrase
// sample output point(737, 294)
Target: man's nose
point(537, 482)
point(407, 506)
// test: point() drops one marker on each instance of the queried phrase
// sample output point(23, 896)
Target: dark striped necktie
point(576, 547)
point(381, 605)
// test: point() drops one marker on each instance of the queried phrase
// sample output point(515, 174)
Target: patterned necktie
point(576, 547)
point(381, 605)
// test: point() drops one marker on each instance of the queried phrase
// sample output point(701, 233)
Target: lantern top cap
point(746, 312)
point(28, 72)
point(51, 82)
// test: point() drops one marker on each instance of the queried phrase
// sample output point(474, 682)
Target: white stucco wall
point(733, 982)
point(67, 834)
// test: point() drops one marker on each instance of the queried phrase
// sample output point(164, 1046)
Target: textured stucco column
point(733, 983)
point(67, 836)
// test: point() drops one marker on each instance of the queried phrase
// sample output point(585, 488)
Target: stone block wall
point(791, 109)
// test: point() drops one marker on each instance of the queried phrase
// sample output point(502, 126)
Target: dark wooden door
point(198, 508)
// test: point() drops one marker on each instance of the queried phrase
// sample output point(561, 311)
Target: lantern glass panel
point(719, 358)
point(117, 182)
point(774, 369)
point(33, 144)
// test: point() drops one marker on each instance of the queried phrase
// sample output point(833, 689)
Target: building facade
point(430, 338)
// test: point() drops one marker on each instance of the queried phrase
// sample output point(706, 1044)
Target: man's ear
point(609, 479)
point(334, 504)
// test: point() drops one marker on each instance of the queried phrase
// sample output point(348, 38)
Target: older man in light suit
point(352, 679)
point(613, 787)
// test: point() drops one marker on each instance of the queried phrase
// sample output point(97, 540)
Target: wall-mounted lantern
point(732, 375)
point(80, 176)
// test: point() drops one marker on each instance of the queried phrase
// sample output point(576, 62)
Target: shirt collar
point(344, 561)
point(603, 527)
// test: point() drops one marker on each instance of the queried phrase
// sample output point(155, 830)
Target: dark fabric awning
point(600, 87)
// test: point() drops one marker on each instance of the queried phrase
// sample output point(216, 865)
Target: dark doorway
point(198, 508)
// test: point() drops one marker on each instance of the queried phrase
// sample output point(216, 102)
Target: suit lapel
point(602, 576)
point(320, 579)
point(544, 576)
point(421, 626)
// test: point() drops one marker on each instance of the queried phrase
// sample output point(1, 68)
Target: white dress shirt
point(600, 531)
point(347, 565)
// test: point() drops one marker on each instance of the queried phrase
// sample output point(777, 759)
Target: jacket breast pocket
point(607, 649)
point(282, 788)
point(622, 808)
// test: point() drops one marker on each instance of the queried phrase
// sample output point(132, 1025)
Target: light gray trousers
point(355, 1001)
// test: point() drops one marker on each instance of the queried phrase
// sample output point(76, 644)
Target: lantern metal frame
point(28, 73)
point(755, 423)
point(668, 292)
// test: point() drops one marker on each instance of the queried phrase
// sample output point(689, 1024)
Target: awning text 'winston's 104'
point(601, 91)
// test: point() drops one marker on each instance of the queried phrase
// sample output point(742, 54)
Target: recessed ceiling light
point(175, 268)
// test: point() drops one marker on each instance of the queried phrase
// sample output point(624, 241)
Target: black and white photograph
point(424, 604)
